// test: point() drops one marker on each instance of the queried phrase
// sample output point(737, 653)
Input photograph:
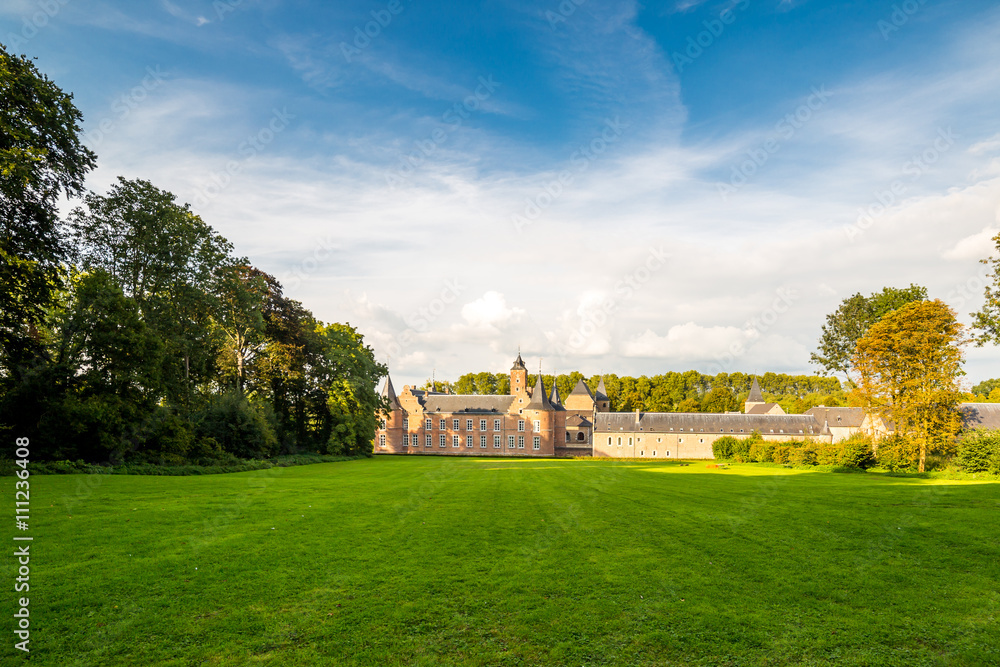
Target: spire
point(390, 394)
point(555, 400)
point(539, 401)
point(755, 395)
point(602, 393)
point(519, 362)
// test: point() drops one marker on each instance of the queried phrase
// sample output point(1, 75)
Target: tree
point(908, 367)
point(852, 319)
point(41, 159)
point(719, 399)
point(986, 322)
point(241, 294)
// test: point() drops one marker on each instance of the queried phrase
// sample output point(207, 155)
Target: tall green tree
point(852, 320)
point(41, 159)
point(908, 367)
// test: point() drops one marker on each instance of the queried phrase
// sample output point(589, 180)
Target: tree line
point(131, 331)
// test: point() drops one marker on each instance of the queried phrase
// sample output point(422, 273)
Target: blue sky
point(613, 186)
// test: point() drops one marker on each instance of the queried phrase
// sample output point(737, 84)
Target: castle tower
point(389, 436)
point(755, 397)
point(601, 401)
point(541, 417)
point(518, 377)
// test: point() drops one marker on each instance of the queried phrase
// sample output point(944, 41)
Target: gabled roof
point(764, 408)
point(478, 403)
point(581, 389)
point(539, 401)
point(980, 415)
point(755, 395)
point(577, 421)
point(601, 394)
point(841, 417)
point(708, 422)
point(389, 393)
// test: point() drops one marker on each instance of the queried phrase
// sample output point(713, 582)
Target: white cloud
point(491, 311)
point(687, 342)
point(976, 246)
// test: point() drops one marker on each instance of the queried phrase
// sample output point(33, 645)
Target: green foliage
point(802, 456)
point(720, 399)
point(979, 451)
point(897, 453)
point(239, 427)
point(986, 387)
point(852, 319)
point(857, 452)
point(761, 451)
point(724, 447)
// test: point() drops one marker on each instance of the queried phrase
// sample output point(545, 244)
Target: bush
point(802, 456)
point(896, 453)
point(780, 453)
point(761, 452)
point(857, 452)
point(722, 448)
point(979, 451)
point(238, 427)
point(741, 450)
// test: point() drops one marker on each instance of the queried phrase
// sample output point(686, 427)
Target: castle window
point(468, 424)
point(427, 441)
point(456, 441)
point(520, 442)
point(630, 442)
point(619, 442)
point(416, 440)
point(609, 439)
point(381, 424)
point(679, 440)
point(666, 453)
point(702, 440)
point(406, 423)
point(537, 425)
point(510, 442)
point(642, 453)
point(654, 452)
point(381, 440)
point(496, 424)
point(428, 424)
point(454, 424)
point(537, 443)
point(469, 442)
point(442, 443)
point(580, 436)
point(482, 424)
point(520, 424)
point(496, 442)
point(441, 425)
point(482, 442)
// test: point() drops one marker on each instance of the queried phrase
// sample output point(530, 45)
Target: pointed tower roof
point(755, 395)
point(518, 363)
point(581, 389)
point(539, 401)
point(389, 393)
point(602, 392)
point(555, 399)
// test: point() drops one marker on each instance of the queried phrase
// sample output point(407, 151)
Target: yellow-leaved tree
point(908, 367)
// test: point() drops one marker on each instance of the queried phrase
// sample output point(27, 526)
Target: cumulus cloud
point(976, 246)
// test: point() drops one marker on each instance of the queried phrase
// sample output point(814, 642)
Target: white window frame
point(468, 424)
point(442, 424)
point(537, 442)
point(520, 424)
point(406, 423)
point(482, 424)
point(428, 424)
point(454, 424)
point(469, 441)
point(456, 441)
point(497, 442)
point(536, 425)
point(510, 442)
point(442, 441)
point(381, 440)
point(520, 442)
point(428, 440)
point(496, 425)
point(482, 442)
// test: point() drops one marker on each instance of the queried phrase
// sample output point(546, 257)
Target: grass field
point(433, 561)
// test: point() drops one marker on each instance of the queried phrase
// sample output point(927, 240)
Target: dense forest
point(130, 331)
point(689, 391)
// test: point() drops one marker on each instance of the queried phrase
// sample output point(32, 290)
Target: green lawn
point(434, 561)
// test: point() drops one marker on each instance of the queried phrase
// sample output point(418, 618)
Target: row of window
point(456, 441)
point(456, 423)
point(679, 440)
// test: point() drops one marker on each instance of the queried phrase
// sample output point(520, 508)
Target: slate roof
point(581, 389)
point(705, 422)
point(835, 417)
point(539, 401)
point(602, 393)
point(467, 403)
point(755, 395)
point(518, 363)
point(980, 415)
point(554, 399)
point(390, 393)
point(576, 421)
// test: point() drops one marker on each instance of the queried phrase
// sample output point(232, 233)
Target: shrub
point(722, 448)
point(896, 453)
point(761, 452)
point(238, 427)
point(781, 453)
point(741, 449)
point(979, 451)
point(802, 456)
point(857, 452)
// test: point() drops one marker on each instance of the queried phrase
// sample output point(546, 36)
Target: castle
point(531, 422)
